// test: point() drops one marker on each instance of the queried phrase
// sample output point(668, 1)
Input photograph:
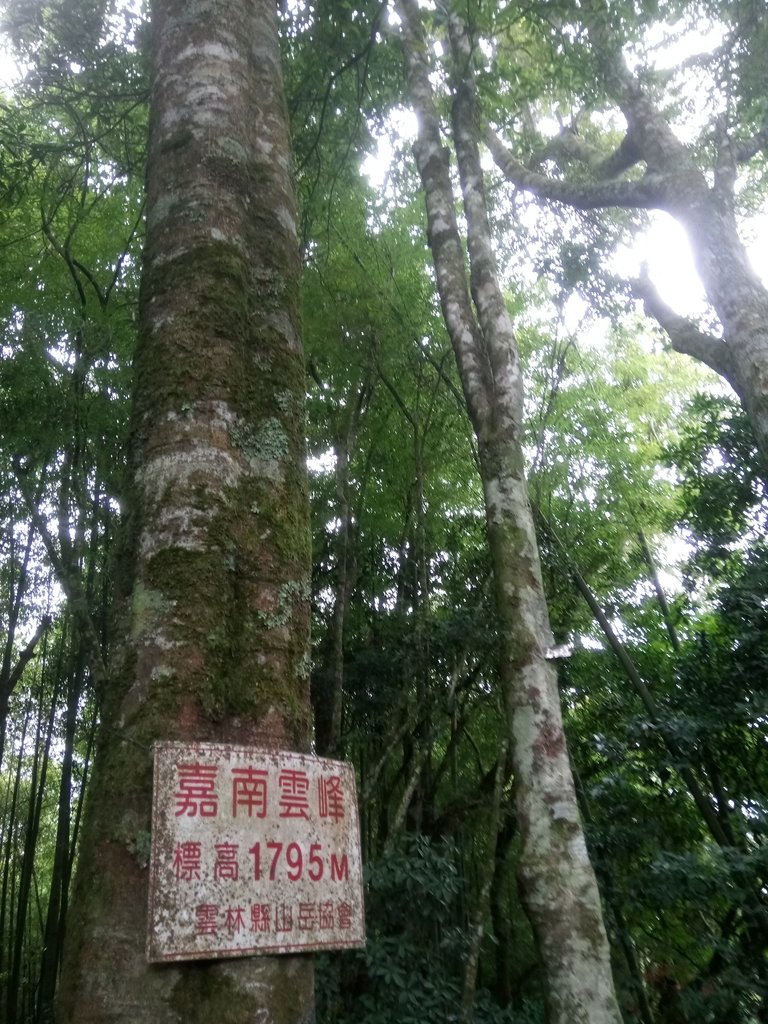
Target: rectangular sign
point(253, 851)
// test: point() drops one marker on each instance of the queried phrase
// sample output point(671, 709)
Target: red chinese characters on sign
point(186, 861)
point(261, 916)
point(233, 919)
point(206, 919)
point(249, 791)
point(283, 918)
point(307, 916)
point(294, 794)
point(269, 861)
point(253, 851)
point(344, 915)
point(330, 797)
point(325, 915)
point(266, 917)
point(226, 865)
point(196, 792)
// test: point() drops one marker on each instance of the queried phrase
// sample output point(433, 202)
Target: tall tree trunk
point(11, 674)
point(10, 832)
point(26, 869)
point(214, 642)
point(557, 881)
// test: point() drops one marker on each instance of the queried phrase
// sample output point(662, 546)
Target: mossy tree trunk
point(214, 639)
point(557, 882)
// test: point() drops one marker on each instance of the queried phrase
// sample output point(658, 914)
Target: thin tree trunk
point(328, 680)
point(8, 888)
point(500, 917)
point(558, 884)
point(661, 597)
point(481, 910)
point(10, 674)
point(720, 830)
point(53, 933)
point(417, 761)
point(8, 684)
point(40, 760)
point(24, 873)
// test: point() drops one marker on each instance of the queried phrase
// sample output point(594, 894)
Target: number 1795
point(273, 859)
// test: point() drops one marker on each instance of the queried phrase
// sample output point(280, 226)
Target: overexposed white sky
point(10, 73)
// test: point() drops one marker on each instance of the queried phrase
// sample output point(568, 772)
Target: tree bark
point(213, 644)
point(556, 878)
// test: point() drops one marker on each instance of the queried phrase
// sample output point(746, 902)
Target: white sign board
point(253, 851)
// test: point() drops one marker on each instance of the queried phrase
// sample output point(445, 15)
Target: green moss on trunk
point(217, 627)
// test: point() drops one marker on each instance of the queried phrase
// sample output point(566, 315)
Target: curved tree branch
point(685, 337)
point(645, 194)
point(569, 144)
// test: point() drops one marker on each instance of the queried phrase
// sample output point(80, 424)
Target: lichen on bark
point(215, 622)
point(557, 882)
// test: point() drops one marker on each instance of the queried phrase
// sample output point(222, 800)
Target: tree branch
point(569, 144)
point(25, 656)
point(656, 715)
point(70, 583)
point(645, 194)
point(683, 334)
point(748, 148)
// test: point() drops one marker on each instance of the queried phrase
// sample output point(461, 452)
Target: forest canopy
point(564, 134)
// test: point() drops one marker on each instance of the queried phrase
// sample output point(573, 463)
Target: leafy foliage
point(410, 969)
point(630, 451)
